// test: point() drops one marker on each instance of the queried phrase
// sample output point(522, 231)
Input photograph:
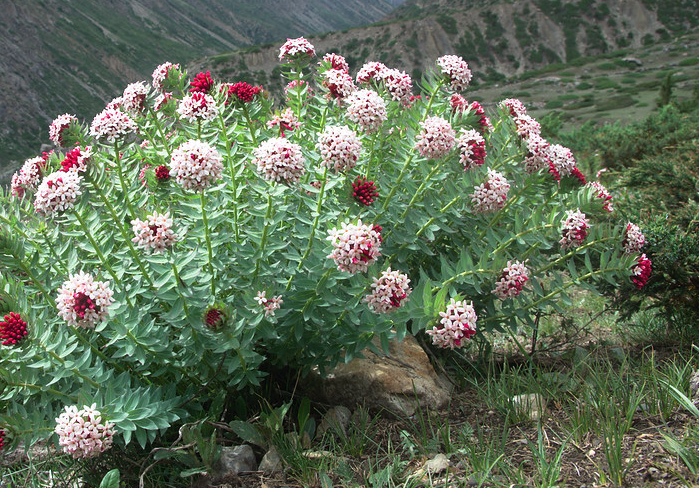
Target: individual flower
point(398, 83)
point(633, 240)
point(83, 433)
point(436, 139)
point(388, 291)
point(215, 317)
point(364, 191)
point(339, 147)
point(339, 83)
point(286, 121)
point(196, 165)
point(458, 322)
point(491, 195)
point(370, 71)
point(198, 106)
point(162, 173)
point(472, 147)
point(12, 329)
point(512, 280)
point(278, 159)
point(84, 302)
point(561, 161)
point(527, 126)
point(269, 305)
point(515, 107)
point(574, 230)
point(640, 273)
point(355, 246)
point(155, 233)
point(336, 62)
point(601, 192)
point(112, 124)
point(60, 127)
point(161, 75)
point(28, 176)
point(57, 192)
point(241, 92)
point(134, 97)
point(294, 49)
point(76, 160)
point(367, 109)
point(202, 83)
point(455, 69)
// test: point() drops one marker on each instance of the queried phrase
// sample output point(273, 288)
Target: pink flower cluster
point(76, 160)
point(84, 302)
point(268, 304)
point(355, 246)
point(436, 139)
point(367, 109)
point(278, 159)
point(336, 62)
point(364, 191)
point(472, 147)
point(633, 240)
point(198, 106)
point(28, 176)
point(456, 70)
point(602, 193)
point(574, 230)
point(370, 71)
point(214, 318)
point(58, 127)
point(491, 195)
point(398, 83)
point(202, 83)
point(514, 106)
point(512, 280)
point(83, 433)
point(537, 154)
point(458, 322)
point(286, 120)
point(527, 126)
point(155, 233)
point(339, 147)
point(640, 273)
point(112, 124)
point(296, 49)
point(339, 83)
point(12, 329)
point(388, 291)
point(196, 165)
point(561, 161)
point(161, 73)
point(243, 92)
point(57, 192)
point(134, 98)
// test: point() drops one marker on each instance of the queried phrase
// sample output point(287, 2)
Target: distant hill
point(499, 39)
point(73, 56)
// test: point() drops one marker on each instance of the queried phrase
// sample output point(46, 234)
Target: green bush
point(615, 103)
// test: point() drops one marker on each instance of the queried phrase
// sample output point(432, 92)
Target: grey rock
point(400, 383)
point(532, 405)
point(335, 420)
point(271, 462)
point(694, 386)
point(234, 460)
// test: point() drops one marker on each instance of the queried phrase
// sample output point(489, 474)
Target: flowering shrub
point(196, 233)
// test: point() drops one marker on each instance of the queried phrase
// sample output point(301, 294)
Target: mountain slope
point(75, 55)
point(498, 39)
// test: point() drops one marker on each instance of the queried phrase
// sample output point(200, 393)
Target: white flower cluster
point(278, 159)
point(355, 246)
point(268, 304)
point(155, 233)
point(28, 176)
point(491, 195)
point(339, 83)
point(472, 147)
point(57, 192)
point(367, 109)
point(134, 98)
point(84, 302)
point(514, 106)
point(196, 165)
point(388, 291)
point(198, 106)
point(512, 280)
point(456, 69)
point(83, 433)
point(574, 229)
point(634, 239)
point(458, 322)
point(295, 48)
point(112, 124)
point(60, 124)
point(436, 139)
point(339, 147)
point(160, 74)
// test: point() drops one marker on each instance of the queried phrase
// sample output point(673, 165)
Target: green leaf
point(111, 479)
point(248, 433)
point(192, 471)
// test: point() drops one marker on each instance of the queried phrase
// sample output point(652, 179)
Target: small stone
point(336, 420)
point(234, 460)
point(532, 405)
point(271, 462)
point(694, 386)
point(437, 464)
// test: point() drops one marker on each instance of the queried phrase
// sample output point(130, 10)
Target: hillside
point(76, 55)
point(498, 39)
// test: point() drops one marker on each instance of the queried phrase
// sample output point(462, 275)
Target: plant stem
point(208, 243)
point(179, 288)
point(250, 127)
point(124, 189)
point(154, 117)
point(265, 230)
